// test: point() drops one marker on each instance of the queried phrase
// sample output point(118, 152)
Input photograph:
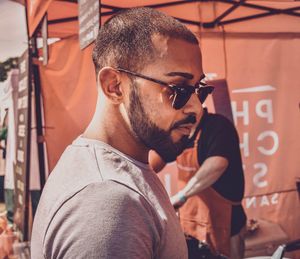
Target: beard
point(151, 135)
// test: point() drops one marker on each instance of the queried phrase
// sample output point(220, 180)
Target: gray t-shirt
point(100, 203)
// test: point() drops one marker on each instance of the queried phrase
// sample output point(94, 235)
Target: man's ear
point(109, 80)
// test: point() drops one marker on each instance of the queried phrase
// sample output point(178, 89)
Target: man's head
point(125, 40)
point(141, 56)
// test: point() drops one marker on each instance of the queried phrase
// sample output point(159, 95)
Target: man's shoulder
point(80, 169)
point(92, 212)
point(87, 170)
point(103, 195)
point(75, 169)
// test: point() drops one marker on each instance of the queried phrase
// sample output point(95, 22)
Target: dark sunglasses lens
point(204, 92)
point(180, 100)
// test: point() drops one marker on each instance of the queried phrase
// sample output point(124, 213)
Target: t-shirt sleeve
point(107, 221)
point(219, 139)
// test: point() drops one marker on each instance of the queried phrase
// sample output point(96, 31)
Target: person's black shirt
point(220, 138)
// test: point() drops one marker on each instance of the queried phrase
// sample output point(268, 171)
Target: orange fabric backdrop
point(69, 94)
point(265, 92)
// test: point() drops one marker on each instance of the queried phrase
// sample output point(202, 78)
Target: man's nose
point(193, 105)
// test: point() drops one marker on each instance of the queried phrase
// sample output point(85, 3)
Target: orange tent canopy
point(235, 16)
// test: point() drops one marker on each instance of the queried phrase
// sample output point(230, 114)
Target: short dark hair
point(125, 39)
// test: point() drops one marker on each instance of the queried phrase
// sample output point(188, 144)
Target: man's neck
point(109, 127)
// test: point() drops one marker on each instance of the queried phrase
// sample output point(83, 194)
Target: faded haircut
point(125, 40)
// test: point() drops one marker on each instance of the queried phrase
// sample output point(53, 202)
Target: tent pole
point(39, 120)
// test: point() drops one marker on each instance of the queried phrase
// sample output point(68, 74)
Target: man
point(211, 183)
point(103, 200)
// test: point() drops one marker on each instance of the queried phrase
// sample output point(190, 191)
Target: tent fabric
point(62, 15)
point(262, 74)
point(69, 95)
point(36, 10)
point(262, 113)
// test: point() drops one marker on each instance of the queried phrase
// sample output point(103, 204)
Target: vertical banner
point(21, 169)
point(88, 21)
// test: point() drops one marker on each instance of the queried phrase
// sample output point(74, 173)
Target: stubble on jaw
point(148, 133)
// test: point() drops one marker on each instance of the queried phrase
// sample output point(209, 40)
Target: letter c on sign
point(274, 136)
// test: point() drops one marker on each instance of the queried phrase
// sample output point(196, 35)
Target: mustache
point(190, 119)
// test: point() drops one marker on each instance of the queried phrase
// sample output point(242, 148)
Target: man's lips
point(188, 121)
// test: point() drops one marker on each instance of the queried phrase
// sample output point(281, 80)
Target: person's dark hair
point(125, 39)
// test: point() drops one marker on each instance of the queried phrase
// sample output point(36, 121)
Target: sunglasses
point(182, 92)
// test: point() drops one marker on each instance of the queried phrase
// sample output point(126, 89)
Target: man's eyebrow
point(182, 74)
point(185, 75)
